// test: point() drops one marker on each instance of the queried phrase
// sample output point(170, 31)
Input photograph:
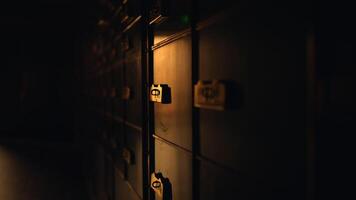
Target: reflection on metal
point(125, 93)
point(210, 95)
point(123, 16)
point(128, 156)
point(165, 39)
point(161, 186)
point(103, 24)
point(158, 19)
point(174, 145)
point(160, 93)
point(158, 11)
point(131, 24)
point(125, 44)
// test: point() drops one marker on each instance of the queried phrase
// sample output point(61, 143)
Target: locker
point(231, 124)
point(175, 165)
point(210, 8)
point(184, 99)
point(133, 75)
point(123, 190)
point(119, 135)
point(172, 66)
point(169, 18)
point(134, 170)
point(109, 176)
point(118, 103)
point(251, 134)
point(220, 183)
point(118, 132)
point(246, 144)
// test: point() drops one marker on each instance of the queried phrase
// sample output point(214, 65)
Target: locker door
point(225, 143)
point(133, 108)
point(173, 121)
point(173, 132)
point(129, 175)
point(255, 148)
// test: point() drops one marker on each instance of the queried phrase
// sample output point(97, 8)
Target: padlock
point(160, 93)
point(210, 95)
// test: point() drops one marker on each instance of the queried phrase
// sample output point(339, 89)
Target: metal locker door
point(172, 78)
point(133, 104)
point(263, 139)
point(173, 133)
point(133, 75)
point(129, 181)
point(221, 58)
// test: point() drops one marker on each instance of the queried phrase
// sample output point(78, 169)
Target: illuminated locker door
point(172, 66)
point(176, 165)
point(173, 120)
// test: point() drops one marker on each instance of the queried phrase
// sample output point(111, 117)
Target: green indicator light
point(185, 19)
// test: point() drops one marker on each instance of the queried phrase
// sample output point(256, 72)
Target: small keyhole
point(156, 184)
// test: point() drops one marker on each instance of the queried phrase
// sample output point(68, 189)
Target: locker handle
point(161, 186)
point(128, 156)
point(160, 93)
point(126, 93)
point(210, 95)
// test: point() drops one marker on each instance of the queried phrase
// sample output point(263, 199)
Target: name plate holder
point(126, 93)
point(210, 95)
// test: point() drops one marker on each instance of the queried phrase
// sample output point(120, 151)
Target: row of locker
point(175, 163)
point(180, 160)
point(254, 148)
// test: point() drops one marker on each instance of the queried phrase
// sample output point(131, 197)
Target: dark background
point(39, 55)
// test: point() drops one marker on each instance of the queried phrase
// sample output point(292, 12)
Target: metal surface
point(249, 149)
point(210, 95)
point(172, 65)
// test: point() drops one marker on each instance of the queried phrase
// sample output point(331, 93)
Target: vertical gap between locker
point(195, 111)
point(151, 109)
point(147, 146)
